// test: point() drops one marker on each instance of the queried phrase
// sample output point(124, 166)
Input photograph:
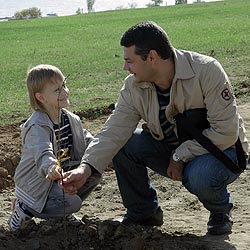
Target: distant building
point(52, 14)
point(4, 19)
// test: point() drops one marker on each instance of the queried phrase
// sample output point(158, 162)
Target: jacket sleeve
point(38, 141)
point(88, 136)
point(221, 113)
point(116, 131)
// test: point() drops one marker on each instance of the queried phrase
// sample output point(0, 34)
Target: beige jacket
point(199, 82)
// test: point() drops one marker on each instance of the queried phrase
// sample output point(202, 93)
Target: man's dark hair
point(148, 36)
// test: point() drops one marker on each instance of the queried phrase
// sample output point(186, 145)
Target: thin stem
point(59, 156)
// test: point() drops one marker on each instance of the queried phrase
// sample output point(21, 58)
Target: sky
point(101, 5)
point(61, 7)
point(69, 7)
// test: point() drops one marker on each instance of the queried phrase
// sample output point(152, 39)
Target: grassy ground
point(87, 47)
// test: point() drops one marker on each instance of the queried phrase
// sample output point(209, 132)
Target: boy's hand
point(54, 173)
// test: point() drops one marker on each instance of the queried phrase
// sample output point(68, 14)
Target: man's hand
point(175, 169)
point(74, 179)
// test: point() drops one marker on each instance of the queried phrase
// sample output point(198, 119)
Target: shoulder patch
point(226, 94)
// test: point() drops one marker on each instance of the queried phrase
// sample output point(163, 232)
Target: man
point(164, 81)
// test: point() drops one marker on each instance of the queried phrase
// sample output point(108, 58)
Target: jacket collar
point(143, 85)
point(41, 118)
point(183, 69)
point(38, 117)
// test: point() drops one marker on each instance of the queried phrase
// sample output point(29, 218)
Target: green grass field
point(87, 47)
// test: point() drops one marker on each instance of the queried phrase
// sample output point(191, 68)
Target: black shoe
point(155, 219)
point(219, 223)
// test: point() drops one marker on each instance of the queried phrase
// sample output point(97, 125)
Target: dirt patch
point(185, 218)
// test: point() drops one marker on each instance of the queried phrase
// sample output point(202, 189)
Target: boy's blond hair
point(37, 78)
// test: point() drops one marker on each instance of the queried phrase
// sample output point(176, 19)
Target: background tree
point(180, 1)
point(90, 4)
point(79, 11)
point(132, 5)
point(155, 3)
point(28, 13)
point(120, 7)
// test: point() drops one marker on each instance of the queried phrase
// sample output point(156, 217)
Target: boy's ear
point(39, 97)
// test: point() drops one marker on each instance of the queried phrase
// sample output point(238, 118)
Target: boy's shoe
point(73, 218)
point(219, 223)
point(156, 219)
point(19, 215)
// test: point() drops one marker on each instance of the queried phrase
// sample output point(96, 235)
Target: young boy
point(53, 141)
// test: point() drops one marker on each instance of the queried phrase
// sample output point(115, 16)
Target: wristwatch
point(176, 158)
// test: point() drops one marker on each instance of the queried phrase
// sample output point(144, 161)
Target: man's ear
point(152, 55)
point(39, 97)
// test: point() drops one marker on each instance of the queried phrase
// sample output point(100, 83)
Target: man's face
point(134, 64)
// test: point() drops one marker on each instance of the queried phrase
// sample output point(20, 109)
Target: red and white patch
point(226, 94)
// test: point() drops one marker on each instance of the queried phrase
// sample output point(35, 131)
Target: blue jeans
point(204, 176)
point(58, 205)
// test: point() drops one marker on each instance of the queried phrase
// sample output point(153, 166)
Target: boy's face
point(54, 95)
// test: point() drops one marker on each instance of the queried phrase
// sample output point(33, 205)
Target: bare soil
point(185, 218)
